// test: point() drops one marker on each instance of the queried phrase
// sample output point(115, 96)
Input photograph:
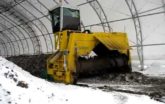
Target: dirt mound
point(35, 64)
point(124, 78)
point(129, 77)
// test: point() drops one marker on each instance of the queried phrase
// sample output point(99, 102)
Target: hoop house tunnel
point(25, 27)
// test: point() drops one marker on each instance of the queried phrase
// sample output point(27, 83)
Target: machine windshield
point(71, 19)
point(71, 13)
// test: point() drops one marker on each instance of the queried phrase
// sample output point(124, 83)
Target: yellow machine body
point(71, 44)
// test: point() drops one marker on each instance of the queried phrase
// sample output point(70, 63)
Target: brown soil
point(134, 83)
point(35, 64)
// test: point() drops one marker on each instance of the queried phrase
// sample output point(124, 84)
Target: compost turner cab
point(84, 54)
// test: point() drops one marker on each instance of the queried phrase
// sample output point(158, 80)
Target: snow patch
point(155, 68)
point(19, 87)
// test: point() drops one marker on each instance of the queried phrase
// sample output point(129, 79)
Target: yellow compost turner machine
point(84, 54)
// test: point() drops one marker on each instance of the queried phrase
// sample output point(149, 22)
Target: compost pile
point(154, 87)
point(35, 64)
point(124, 78)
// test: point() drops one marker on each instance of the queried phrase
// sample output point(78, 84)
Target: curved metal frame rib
point(139, 36)
point(101, 14)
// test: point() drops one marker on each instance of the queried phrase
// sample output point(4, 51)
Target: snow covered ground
point(19, 87)
point(155, 68)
